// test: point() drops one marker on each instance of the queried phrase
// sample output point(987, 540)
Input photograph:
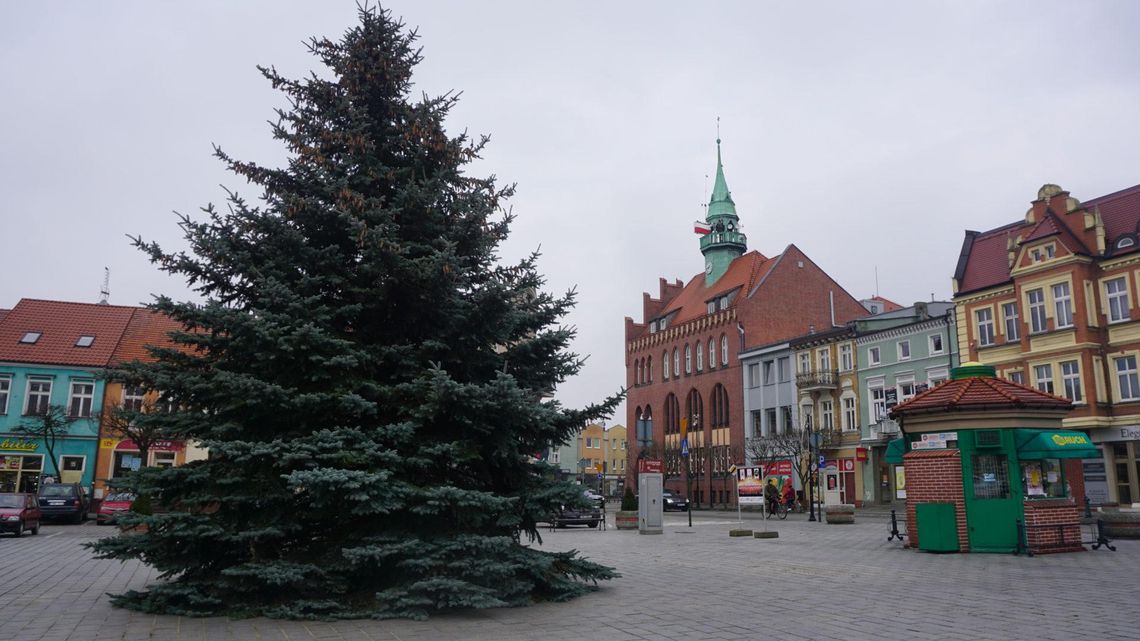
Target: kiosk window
point(991, 476)
point(1043, 479)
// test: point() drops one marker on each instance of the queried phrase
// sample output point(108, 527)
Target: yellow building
point(602, 457)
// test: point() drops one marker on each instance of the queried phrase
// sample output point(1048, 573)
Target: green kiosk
point(988, 466)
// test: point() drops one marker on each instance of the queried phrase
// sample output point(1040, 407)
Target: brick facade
point(934, 476)
point(1052, 525)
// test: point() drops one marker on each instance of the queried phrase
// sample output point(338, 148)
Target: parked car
point(19, 512)
point(64, 501)
point(672, 501)
point(590, 514)
point(598, 499)
point(112, 506)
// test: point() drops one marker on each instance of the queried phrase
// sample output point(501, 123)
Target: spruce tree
point(371, 380)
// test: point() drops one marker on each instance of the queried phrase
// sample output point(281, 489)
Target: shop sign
point(157, 446)
point(650, 466)
point(107, 443)
point(19, 444)
point(847, 465)
point(934, 441)
point(1112, 434)
point(778, 468)
point(1064, 440)
point(861, 454)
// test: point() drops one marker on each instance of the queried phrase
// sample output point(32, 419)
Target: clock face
point(708, 267)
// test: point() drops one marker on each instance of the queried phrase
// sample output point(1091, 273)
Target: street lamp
point(812, 466)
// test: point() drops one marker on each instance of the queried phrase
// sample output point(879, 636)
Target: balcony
point(824, 379)
point(884, 430)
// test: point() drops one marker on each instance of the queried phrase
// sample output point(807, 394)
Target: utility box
point(937, 527)
point(649, 505)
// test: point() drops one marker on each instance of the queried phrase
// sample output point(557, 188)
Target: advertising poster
point(750, 485)
point(900, 482)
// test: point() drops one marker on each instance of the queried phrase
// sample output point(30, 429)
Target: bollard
point(894, 528)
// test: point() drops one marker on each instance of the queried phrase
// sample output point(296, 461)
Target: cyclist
point(789, 495)
point(771, 495)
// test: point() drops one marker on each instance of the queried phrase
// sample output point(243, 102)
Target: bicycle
point(780, 510)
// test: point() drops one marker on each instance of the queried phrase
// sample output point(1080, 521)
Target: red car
point(19, 512)
point(112, 505)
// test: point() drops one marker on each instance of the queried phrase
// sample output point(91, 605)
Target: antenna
point(105, 291)
point(876, 280)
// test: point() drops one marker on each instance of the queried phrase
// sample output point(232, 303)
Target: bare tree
point(53, 422)
point(794, 445)
point(140, 423)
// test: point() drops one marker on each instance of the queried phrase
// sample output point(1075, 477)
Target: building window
point(784, 365)
point(805, 362)
point(1063, 303)
point(936, 376)
point(723, 349)
point(712, 306)
point(676, 362)
point(825, 359)
point(873, 355)
point(1126, 378)
point(769, 426)
point(30, 337)
point(1012, 331)
point(163, 459)
point(649, 369)
point(878, 398)
point(724, 302)
point(1043, 375)
point(935, 343)
point(1016, 377)
point(846, 363)
point(85, 341)
point(712, 354)
point(638, 372)
point(905, 388)
point(849, 420)
point(754, 374)
point(5, 392)
point(789, 420)
point(1071, 379)
point(825, 415)
point(904, 350)
point(70, 463)
point(688, 359)
point(769, 372)
point(1116, 291)
point(1036, 310)
point(665, 366)
point(82, 395)
point(38, 397)
point(985, 323)
point(700, 357)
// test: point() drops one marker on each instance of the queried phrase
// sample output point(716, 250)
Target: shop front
point(988, 468)
point(119, 457)
point(1115, 477)
point(24, 463)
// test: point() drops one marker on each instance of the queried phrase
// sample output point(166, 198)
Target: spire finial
point(718, 132)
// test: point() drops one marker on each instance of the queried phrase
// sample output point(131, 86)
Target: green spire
point(726, 242)
point(720, 204)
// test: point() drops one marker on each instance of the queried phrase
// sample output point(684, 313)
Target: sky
point(870, 134)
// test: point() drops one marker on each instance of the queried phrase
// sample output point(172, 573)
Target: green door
point(993, 500)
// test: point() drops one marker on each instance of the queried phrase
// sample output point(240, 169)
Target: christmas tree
point(371, 381)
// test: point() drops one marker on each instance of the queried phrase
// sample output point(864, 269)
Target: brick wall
point(1052, 525)
point(934, 476)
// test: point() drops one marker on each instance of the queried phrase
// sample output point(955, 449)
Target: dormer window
point(1125, 242)
point(30, 338)
point(85, 341)
point(661, 324)
point(724, 302)
point(1039, 254)
point(712, 306)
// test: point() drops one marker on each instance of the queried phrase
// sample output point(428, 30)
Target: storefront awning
point(895, 451)
point(1042, 444)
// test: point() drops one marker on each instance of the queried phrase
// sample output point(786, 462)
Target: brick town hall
point(681, 359)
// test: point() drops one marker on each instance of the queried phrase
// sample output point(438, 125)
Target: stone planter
point(741, 532)
point(1121, 525)
point(626, 519)
point(839, 514)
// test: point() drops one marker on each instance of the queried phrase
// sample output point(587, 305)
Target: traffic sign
point(599, 476)
point(685, 446)
point(822, 460)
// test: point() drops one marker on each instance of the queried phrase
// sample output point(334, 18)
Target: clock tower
point(725, 243)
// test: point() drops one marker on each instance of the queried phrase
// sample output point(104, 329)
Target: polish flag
point(701, 227)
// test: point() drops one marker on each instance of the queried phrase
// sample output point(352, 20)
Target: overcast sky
point(868, 134)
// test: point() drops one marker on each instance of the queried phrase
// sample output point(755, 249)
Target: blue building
point(52, 355)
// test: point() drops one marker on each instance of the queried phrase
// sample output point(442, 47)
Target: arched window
point(700, 356)
point(723, 349)
point(695, 411)
point(676, 362)
point(638, 372)
point(712, 354)
point(718, 403)
point(665, 366)
point(672, 415)
point(649, 369)
point(688, 359)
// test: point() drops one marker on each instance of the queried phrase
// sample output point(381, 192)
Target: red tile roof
point(979, 392)
point(744, 273)
point(985, 262)
point(145, 328)
point(888, 305)
point(3, 313)
point(60, 325)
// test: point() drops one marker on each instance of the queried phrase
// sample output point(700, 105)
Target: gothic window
point(723, 350)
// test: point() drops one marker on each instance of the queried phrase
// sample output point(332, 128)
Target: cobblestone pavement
point(815, 581)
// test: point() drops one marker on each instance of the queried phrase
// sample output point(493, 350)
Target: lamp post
point(688, 472)
point(812, 466)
